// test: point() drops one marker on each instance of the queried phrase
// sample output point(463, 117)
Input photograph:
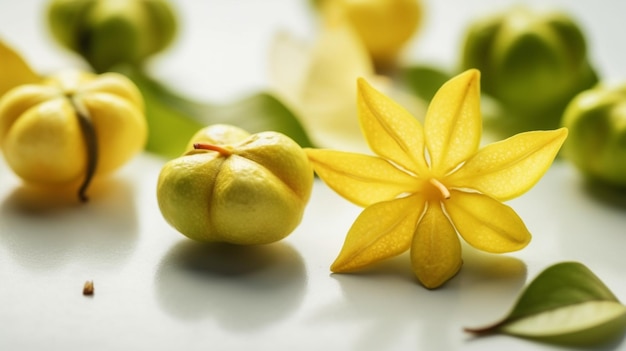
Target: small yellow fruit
point(384, 26)
point(72, 126)
point(235, 187)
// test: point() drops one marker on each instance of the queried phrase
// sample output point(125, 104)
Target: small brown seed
point(88, 288)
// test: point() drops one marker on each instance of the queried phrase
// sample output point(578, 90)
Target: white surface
point(156, 290)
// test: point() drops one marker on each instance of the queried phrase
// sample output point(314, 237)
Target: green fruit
point(596, 120)
point(530, 62)
point(235, 187)
point(110, 32)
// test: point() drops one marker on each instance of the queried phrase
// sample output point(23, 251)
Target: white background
point(156, 290)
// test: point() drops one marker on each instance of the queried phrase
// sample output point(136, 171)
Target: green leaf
point(257, 113)
point(170, 118)
point(173, 119)
point(423, 81)
point(566, 304)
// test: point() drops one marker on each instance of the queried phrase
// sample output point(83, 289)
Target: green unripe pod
point(596, 120)
point(111, 32)
point(529, 61)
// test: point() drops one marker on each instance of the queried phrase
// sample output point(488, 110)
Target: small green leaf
point(423, 81)
point(174, 119)
point(565, 304)
point(170, 118)
point(258, 113)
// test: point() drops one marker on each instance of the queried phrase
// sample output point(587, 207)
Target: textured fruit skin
point(111, 32)
point(255, 194)
point(596, 120)
point(529, 61)
point(40, 133)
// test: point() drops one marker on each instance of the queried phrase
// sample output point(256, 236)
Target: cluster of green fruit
point(536, 66)
point(109, 33)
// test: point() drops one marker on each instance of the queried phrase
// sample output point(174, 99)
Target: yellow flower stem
point(91, 143)
point(211, 147)
point(442, 188)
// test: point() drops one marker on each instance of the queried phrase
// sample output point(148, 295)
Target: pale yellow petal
point(362, 179)
point(511, 167)
point(436, 249)
point(390, 130)
point(381, 231)
point(486, 223)
point(453, 124)
point(317, 81)
point(15, 71)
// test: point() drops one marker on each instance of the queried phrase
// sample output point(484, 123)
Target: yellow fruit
point(71, 127)
point(384, 26)
point(235, 187)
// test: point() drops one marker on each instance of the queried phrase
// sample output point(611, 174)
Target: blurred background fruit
point(531, 62)
point(384, 26)
point(596, 120)
point(111, 32)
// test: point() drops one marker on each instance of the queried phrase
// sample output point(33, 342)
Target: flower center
point(436, 190)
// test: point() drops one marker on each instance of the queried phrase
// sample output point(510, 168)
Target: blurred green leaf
point(257, 113)
point(173, 119)
point(171, 122)
point(423, 81)
point(566, 304)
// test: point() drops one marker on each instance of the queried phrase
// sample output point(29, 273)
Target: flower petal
point(511, 167)
point(453, 124)
point(362, 179)
point(317, 81)
point(486, 223)
point(390, 130)
point(436, 248)
point(381, 231)
point(15, 71)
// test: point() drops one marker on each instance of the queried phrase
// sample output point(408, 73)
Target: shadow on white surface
point(606, 194)
point(242, 287)
point(489, 285)
point(579, 220)
point(43, 230)
point(481, 267)
point(491, 280)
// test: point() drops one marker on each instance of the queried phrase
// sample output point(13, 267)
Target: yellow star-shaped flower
point(428, 184)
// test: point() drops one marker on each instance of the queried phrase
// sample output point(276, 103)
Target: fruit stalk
point(89, 135)
point(203, 146)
